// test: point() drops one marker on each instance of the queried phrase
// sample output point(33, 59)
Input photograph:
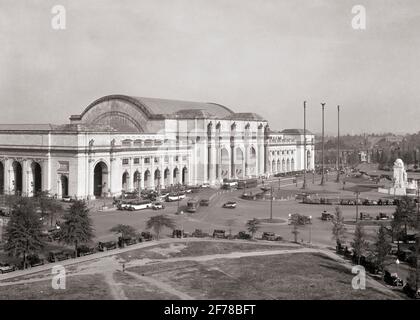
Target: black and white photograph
point(226, 151)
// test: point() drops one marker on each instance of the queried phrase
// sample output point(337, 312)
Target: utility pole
point(322, 155)
point(304, 146)
point(338, 144)
point(357, 205)
point(271, 203)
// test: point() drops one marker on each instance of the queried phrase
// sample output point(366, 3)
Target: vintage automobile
point(59, 255)
point(198, 233)
point(219, 234)
point(243, 235)
point(105, 246)
point(270, 236)
point(326, 216)
point(158, 205)
point(392, 279)
point(204, 202)
point(382, 216)
point(365, 216)
point(146, 236)
point(176, 233)
point(85, 250)
point(5, 268)
point(229, 205)
point(34, 260)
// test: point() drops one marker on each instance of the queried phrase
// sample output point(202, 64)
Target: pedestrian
point(123, 267)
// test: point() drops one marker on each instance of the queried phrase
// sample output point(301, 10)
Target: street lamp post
point(338, 144)
point(357, 205)
point(322, 154)
point(304, 146)
point(310, 229)
point(271, 203)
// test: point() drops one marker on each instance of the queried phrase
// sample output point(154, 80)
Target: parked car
point(176, 233)
point(204, 202)
point(158, 205)
point(34, 260)
point(382, 216)
point(85, 250)
point(230, 205)
point(219, 234)
point(109, 245)
point(146, 236)
point(66, 199)
point(205, 185)
point(243, 235)
point(127, 241)
point(365, 216)
point(198, 233)
point(325, 216)
point(270, 236)
point(59, 255)
point(392, 279)
point(5, 268)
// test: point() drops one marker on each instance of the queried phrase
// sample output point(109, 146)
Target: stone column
point(152, 173)
point(130, 174)
point(141, 173)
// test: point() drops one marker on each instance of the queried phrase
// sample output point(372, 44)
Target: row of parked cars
point(83, 250)
point(222, 234)
point(350, 202)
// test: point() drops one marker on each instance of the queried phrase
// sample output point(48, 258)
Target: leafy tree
point(381, 248)
point(77, 227)
point(49, 206)
point(359, 244)
point(253, 226)
point(404, 217)
point(338, 229)
point(157, 223)
point(23, 233)
point(126, 231)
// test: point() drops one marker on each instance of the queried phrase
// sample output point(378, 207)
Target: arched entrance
point(273, 166)
point(224, 163)
point(1, 178)
point(176, 176)
point(308, 160)
point(283, 165)
point(100, 178)
point(252, 161)
point(17, 177)
point(288, 165)
point(136, 180)
point(166, 175)
point(147, 179)
point(36, 178)
point(184, 175)
point(278, 165)
point(157, 178)
point(239, 163)
point(124, 183)
point(292, 165)
point(64, 186)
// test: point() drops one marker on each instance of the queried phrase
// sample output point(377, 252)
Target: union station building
point(126, 143)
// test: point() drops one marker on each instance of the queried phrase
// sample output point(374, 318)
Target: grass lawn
point(289, 276)
point(84, 287)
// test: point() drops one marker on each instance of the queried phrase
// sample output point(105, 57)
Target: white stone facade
point(125, 143)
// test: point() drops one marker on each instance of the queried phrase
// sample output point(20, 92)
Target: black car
point(146, 236)
point(55, 256)
point(104, 246)
point(270, 236)
point(204, 202)
point(84, 250)
point(243, 235)
point(176, 233)
point(198, 233)
point(392, 279)
point(34, 260)
point(219, 234)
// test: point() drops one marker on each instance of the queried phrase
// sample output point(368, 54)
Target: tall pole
point(304, 146)
point(322, 156)
point(338, 144)
point(271, 203)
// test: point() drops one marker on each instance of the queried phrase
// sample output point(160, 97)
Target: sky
point(263, 56)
